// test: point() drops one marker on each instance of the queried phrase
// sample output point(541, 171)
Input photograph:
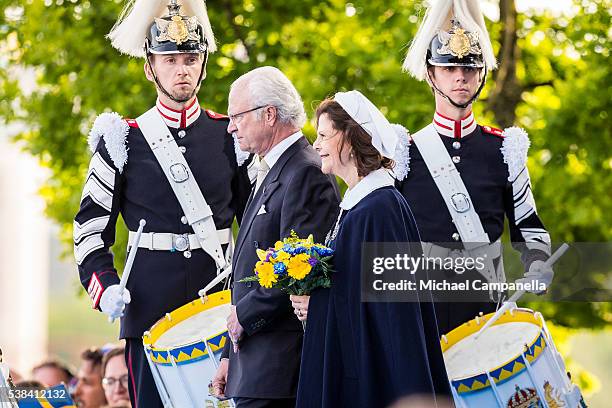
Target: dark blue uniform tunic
point(135, 186)
point(496, 194)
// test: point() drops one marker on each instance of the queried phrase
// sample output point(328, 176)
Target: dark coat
point(296, 196)
point(359, 354)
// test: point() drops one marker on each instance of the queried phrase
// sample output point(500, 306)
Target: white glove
point(538, 273)
point(113, 301)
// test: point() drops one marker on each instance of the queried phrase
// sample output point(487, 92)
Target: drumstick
point(517, 295)
point(130, 260)
point(217, 279)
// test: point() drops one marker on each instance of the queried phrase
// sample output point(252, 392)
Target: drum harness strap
point(197, 211)
point(457, 199)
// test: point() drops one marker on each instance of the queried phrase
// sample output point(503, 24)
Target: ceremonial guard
point(465, 178)
point(176, 167)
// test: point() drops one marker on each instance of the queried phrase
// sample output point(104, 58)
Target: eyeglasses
point(109, 382)
point(237, 117)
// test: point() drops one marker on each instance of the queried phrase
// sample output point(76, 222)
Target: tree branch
point(229, 13)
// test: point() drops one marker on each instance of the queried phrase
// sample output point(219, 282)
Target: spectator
point(89, 392)
point(51, 373)
point(29, 385)
point(115, 380)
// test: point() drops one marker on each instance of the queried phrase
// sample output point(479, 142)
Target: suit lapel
point(267, 188)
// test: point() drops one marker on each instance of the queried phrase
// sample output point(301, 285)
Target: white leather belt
point(492, 251)
point(167, 241)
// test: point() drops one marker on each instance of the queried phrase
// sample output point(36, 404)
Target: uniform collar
point(179, 119)
point(454, 128)
point(373, 181)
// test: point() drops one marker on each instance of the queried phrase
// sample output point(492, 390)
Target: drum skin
point(535, 376)
point(183, 371)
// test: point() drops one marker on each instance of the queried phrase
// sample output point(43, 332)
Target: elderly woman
point(360, 354)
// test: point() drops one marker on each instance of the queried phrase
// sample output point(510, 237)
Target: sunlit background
point(42, 308)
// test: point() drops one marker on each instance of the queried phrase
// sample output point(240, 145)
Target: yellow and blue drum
point(183, 351)
point(514, 363)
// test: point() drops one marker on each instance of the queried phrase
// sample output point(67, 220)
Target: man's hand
point(234, 328)
point(300, 306)
point(218, 382)
point(538, 273)
point(113, 301)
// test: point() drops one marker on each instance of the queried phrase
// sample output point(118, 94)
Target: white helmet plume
point(130, 31)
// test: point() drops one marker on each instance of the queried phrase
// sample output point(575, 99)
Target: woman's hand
point(300, 306)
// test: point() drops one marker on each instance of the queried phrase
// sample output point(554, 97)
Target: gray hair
point(269, 86)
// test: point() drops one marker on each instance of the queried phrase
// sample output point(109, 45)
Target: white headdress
point(437, 19)
point(386, 138)
point(130, 31)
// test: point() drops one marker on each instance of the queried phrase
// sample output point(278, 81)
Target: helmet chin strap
point(195, 90)
point(455, 104)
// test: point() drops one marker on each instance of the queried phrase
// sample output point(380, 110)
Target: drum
point(183, 351)
point(514, 363)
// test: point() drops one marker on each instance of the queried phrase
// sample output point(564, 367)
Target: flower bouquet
point(294, 265)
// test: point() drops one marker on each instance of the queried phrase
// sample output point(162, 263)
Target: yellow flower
point(278, 245)
point(282, 256)
point(298, 266)
point(261, 254)
point(265, 273)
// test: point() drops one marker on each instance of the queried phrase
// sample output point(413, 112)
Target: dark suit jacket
point(296, 196)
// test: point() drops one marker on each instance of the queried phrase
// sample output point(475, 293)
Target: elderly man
point(175, 167)
point(266, 114)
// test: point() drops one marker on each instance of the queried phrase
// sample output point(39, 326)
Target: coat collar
point(268, 186)
point(179, 119)
point(454, 128)
point(277, 151)
point(373, 181)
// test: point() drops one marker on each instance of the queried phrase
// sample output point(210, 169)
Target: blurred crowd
point(100, 381)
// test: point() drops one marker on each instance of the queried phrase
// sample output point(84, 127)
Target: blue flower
point(280, 268)
point(323, 250)
point(300, 250)
point(289, 249)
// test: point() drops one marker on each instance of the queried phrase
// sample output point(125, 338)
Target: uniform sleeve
point(310, 206)
point(94, 224)
point(527, 232)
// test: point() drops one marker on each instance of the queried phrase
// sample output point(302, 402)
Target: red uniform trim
point(167, 117)
point(215, 115)
point(192, 103)
point(131, 372)
point(493, 131)
point(469, 124)
point(94, 290)
point(441, 125)
point(446, 117)
point(132, 123)
point(169, 108)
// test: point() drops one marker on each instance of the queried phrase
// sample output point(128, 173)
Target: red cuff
point(94, 290)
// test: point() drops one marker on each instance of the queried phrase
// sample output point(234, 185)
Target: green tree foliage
point(560, 66)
